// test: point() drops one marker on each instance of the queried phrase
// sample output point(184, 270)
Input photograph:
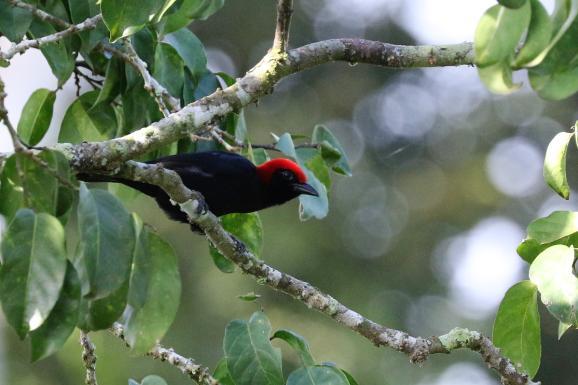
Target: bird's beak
point(305, 189)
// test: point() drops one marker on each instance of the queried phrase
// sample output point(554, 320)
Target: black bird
point(229, 182)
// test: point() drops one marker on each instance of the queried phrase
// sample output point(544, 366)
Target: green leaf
point(562, 329)
point(248, 229)
point(319, 168)
point(155, 290)
point(14, 21)
point(144, 43)
point(113, 80)
point(124, 18)
point(555, 86)
point(317, 375)
point(33, 268)
point(184, 12)
point(222, 374)
point(551, 271)
point(168, 69)
point(324, 136)
point(298, 343)
point(190, 49)
point(499, 32)
point(349, 377)
point(310, 206)
point(153, 380)
point(36, 116)
point(555, 164)
point(260, 156)
point(555, 226)
point(498, 78)
point(60, 324)
point(207, 84)
point(513, 4)
point(249, 297)
point(83, 122)
point(59, 54)
point(101, 313)
point(517, 327)
point(538, 35)
point(81, 10)
point(39, 189)
point(529, 249)
point(251, 358)
point(107, 240)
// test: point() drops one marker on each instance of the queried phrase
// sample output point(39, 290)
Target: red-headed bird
point(229, 182)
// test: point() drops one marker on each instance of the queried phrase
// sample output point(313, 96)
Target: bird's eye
point(288, 175)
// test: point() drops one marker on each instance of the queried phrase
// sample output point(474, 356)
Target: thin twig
point(188, 366)
point(284, 11)
point(40, 14)
point(89, 359)
point(21, 47)
point(167, 103)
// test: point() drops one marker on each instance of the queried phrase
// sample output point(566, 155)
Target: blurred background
point(422, 237)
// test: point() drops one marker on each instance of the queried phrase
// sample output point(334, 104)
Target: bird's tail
point(145, 188)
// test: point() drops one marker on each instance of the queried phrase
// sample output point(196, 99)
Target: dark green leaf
point(555, 226)
point(14, 21)
point(168, 69)
point(538, 35)
point(555, 164)
point(36, 116)
point(517, 326)
point(190, 49)
point(39, 189)
point(60, 324)
point(101, 313)
point(554, 86)
point(144, 42)
point(112, 81)
point(81, 10)
point(154, 294)
point(222, 374)
point(317, 375)
point(83, 122)
point(298, 343)
point(207, 84)
point(319, 168)
point(251, 358)
point(58, 54)
point(124, 18)
point(33, 269)
point(248, 229)
point(107, 240)
point(329, 145)
point(551, 271)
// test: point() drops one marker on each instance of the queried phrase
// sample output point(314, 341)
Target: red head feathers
point(266, 170)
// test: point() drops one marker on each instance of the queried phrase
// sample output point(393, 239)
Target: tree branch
point(89, 359)
point(258, 82)
point(40, 14)
point(21, 47)
point(417, 348)
point(284, 11)
point(188, 366)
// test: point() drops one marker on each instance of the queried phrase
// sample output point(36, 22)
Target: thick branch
point(188, 366)
point(21, 47)
point(256, 83)
point(40, 14)
point(284, 11)
point(417, 348)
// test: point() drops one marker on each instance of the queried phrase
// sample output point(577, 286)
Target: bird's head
point(284, 180)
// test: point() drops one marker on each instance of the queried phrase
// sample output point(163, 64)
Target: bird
point(229, 182)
